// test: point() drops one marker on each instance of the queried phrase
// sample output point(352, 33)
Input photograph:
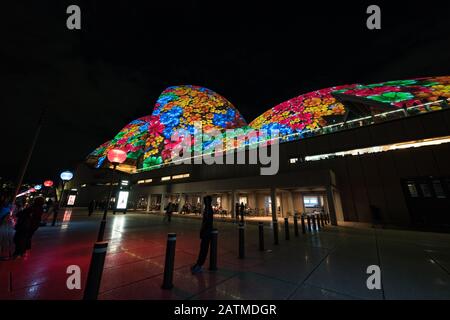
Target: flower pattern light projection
point(302, 113)
point(405, 93)
point(148, 142)
point(178, 107)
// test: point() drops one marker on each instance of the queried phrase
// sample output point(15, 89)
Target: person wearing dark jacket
point(169, 209)
point(91, 207)
point(237, 211)
point(242, 211)
point(28, 221)
point(205, 234)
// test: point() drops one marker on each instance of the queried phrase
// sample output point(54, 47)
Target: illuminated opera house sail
point(148, 142)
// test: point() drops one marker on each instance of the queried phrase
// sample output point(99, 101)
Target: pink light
point(117, 156)
point(48, 183)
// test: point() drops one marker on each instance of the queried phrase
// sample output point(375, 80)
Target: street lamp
point(116, 157)
point(65, 176)
point(48, 184)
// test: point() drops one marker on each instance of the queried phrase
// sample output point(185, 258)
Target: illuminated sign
point(48, 183)
point(66, 176)
point(123, 200)
point(71, 200)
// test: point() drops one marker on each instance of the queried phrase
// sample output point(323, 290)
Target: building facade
point(369, 162)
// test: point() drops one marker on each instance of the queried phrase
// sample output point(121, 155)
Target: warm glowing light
point(181, 176)
point(117, 156)
point(48, 183)
point(66, 176)
point(383, 148)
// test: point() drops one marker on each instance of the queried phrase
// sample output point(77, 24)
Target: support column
point(273, 202)
point(163, 202)
point(182, 202)
point(331, 206)
point(233, 204)
point(291, 208)
point(303, 203)
point(149, 200)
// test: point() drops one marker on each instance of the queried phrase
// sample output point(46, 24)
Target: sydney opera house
point(358, 152)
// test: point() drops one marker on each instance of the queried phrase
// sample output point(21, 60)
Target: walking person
point(169, 209)
point(55, 210)
point(91, 207)
point(28, 221)
point(242, 211)
point(205, 234)
point(236, 212)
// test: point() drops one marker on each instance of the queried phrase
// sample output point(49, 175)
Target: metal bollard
point(261, 236)
point(170, 261)
point(295, 225)
point(101, 231)
point(286, 229)
point(303, 225)
point(308, 220)
point(94, 277)
point(213, 250)
point(318, 223)
point(275, 232)
point(241, 241)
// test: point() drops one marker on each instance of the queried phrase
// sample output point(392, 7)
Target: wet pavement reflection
point(330, 264)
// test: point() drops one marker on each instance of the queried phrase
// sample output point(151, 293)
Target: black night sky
point(96, 80)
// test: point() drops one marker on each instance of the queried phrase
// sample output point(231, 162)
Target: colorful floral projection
point(300, 114)
point(404, 93)
point(147, 140)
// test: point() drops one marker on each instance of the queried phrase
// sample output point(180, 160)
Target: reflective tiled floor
point(330, 264)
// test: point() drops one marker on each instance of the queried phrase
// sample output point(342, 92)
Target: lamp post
point(116, 157)
point(65, 176)
point(48, 184)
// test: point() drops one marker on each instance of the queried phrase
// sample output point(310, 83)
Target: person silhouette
point(205, 234)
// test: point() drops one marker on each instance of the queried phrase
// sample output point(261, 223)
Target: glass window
point(311, 202)
point(426, 190)
point(243, 200)
point(412, 190)
point(438, 189)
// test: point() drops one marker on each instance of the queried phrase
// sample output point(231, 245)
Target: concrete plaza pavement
point(330, 264)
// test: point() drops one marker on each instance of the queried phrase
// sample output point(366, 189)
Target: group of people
point(26, 217)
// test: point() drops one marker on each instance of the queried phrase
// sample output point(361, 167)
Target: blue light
point(66, 176)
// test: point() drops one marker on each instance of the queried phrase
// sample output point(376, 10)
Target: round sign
point(66, 176)
point(117, 156)
point(48, 183)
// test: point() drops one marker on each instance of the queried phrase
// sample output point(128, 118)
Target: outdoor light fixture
point(65, 176)
point(38, 187)
point(48, 183)
point(116, 157)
